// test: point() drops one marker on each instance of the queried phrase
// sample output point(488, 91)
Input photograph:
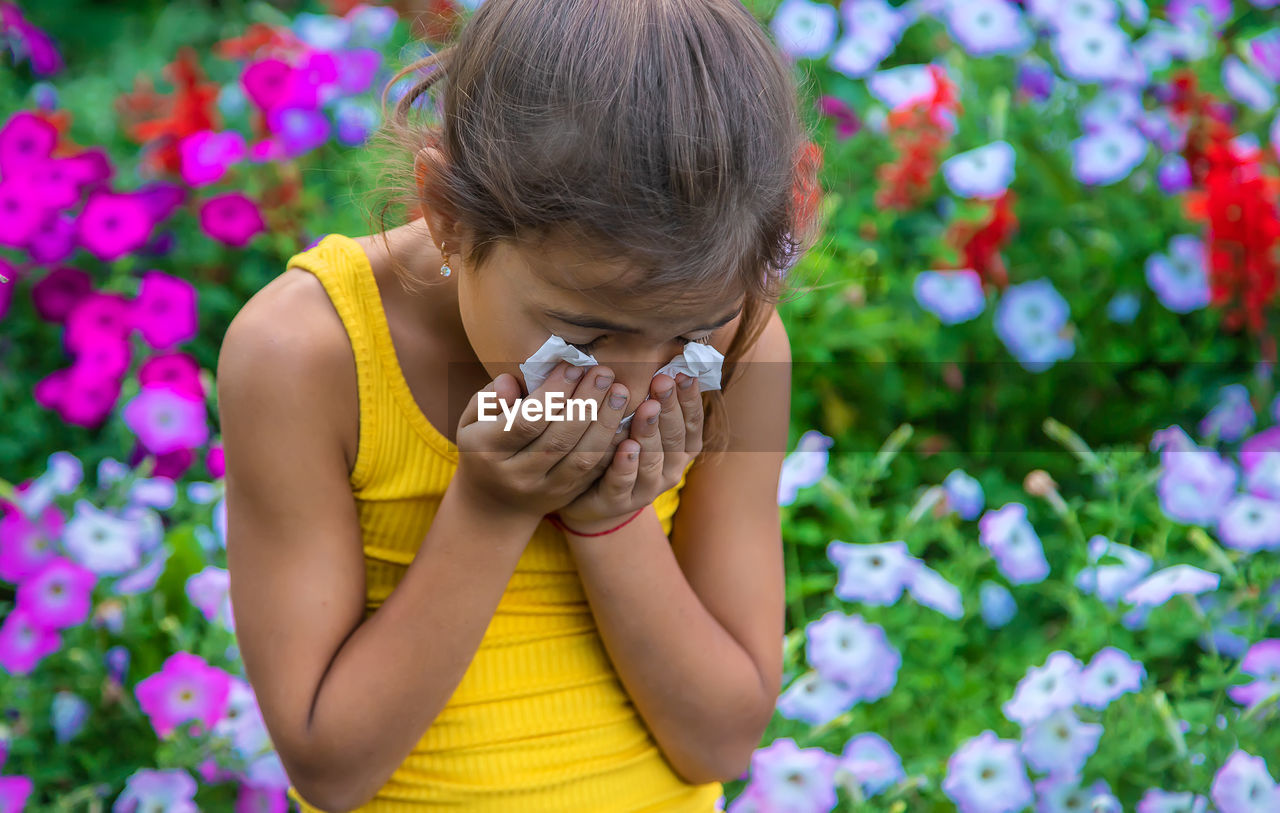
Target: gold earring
point(445, 270)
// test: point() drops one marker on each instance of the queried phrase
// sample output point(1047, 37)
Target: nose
point(636, 372)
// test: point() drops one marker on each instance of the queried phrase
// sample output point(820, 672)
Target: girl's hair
point(665, 133)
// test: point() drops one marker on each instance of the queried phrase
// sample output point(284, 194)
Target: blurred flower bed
point(1048, 277)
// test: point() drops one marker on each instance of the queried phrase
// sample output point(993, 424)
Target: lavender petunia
point(873, 574)
point(24, 642)
point(872, 762)
point(964, 494)
point(1045, 689)
point(1243, 785)
point(1107, 155)
point(1250, 523)
point(172, 791)
point(952, 296)
point(1164, 584)
point(1246, 86)
point(1180, 279)
point(1030, 321)
point(987, 774)
point(1212, 14)
point(1110, 673)
point(1092, 52)
point(816, 699)
point(1060, 742)
point(68, 715)
point(167, 421)
point(1160, 801)
point(905, 84)
point(1123, 307)
point(1261, 662)
point(931, 588)
point(1014, 543)
point(1196, 486)
point(850, 650)
point(858, 56)
point(792, 778)
point(866, 16)
point(1110, 581)
point(987, 27)
point(1064, 793)
point(803, 28)
point(1263, 52)
point(998, 604)
point(1263, 479)
point(101, 541)
point(805, 466)
point(985, 172)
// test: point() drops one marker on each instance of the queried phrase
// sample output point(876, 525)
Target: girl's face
point(519, 297)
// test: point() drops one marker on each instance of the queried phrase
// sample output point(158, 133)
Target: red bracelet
point(554, 519)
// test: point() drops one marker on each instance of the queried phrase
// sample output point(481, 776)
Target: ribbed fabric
point(540, 721)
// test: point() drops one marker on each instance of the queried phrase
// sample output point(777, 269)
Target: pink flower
point(14, 791)
point(79, 394)
point(20, 213)
point(847, 123)
point(179, 372)
point(113, 225)
point(98, 317)
point(164, 311)
point(26, 544)
point(166, 421)
point(54, 240)
point(107, 358)
point(214, 462)
point(24, 643)
point(24, 140)
point(185, 688)
point(232, 219)
point(58, 595)
point(207, 155)
point(57, 183)
point(269, 83)
point(57, 294)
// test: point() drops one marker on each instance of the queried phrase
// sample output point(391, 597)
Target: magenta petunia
point(214, 462)
point(59, 594)
point(231, 218)
point(14, 791)
point(161, 198)
point(177, 371)
point(298, 129)
point(24, 140)
point(207, 155)
point(58, 183)
point(54, 240)
point(269, 83)
point(106, 358)
point(112, 225)
point(316, 80)
point(164, 311)
point(58, 293)
point(21, 213)
point(166, 421)
point(97, 317)
point(356, 69)
point(79, 394)
point(24, 642)
point(186, 688)
point(27, 544)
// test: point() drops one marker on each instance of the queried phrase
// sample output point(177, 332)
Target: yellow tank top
point(540, 721)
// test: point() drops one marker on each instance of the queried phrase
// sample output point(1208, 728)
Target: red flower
point(163, 121)
point(807, 191)
point(979, 244)
point(919, 130)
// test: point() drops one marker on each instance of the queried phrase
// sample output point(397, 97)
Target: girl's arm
point(694, 626)
point(343, 701)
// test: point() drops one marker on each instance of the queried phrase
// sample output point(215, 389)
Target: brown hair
point(663, 132)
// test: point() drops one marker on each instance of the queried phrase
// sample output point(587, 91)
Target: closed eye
point(591, 345)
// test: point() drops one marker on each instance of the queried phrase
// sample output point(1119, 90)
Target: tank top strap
point(339, 263)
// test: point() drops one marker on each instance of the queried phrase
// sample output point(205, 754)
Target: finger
point(671, 418)
point(563, 435)
point(691, 407)
point(644, 431)
point(618, 484)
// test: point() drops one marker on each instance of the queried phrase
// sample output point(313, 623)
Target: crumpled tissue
point(698, 359)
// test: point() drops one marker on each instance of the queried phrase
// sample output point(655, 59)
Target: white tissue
point(698, 359)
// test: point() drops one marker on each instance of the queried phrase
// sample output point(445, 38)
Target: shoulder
point(288, 335)
point(758, 397)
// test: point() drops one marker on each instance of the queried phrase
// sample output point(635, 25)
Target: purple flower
point(102, 542)
point(857, 56)
point(1014, 543)
point(112, 225)
point(1264, 53)
point(1123, 307)
point(166, 421)
point(846, 648)
point(298, 129)
point(354, 122)
point(172, 791)
point(1159, 801)
point(964, 494)
point(1256, 448)
point(873, 574)
point(14, 791)
point(815, 699)
point(69, 713)
point(1092, 52)
point(998, 605)
point(54, 240)
point(1180, 279)
point(793, 778)
point(803, 28)
point(231, 218)
point(1247, 87)
point(25, 140)
point(1243, 785)
point(866, 16)
point(1107, 155)
point(1231, 417)
point(59, 291)
point(1196, 486)
point(1060, 743)
point(24, 642)
point(323, 31)
point(986, 27)
point(872, 762)
point(1035, 79)
point(952, 296)
point(372, 25)
point(58, 595)
point(986, 775)
point(905, 84)
point(271, 83)
point(1064, 793)
point(207, 155)
point(1173, 174)
point(1263, 480)
point(1045, 689)
point(1262, 661)
point(985, 172)
point(164, 311)
point(1110, 674)
point(28, 543)
point(209, 592)
point(1110, 581)
point(931, 588)
point(1250, 524)
point(1164, 584)
point(1199, 13)
point(1069, 15)
point(1029, 321)
point(805, 466)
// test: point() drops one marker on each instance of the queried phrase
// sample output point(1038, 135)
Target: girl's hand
point(648, 462)
point(537, 465)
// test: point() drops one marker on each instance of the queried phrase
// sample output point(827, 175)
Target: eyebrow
point(587, 320)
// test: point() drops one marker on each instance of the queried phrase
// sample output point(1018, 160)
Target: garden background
point(1033, 513)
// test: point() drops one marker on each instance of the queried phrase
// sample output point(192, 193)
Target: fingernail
point(617, 400)
point(664, 395)
point(687, 382)
point(653, 418)
point(574, 372)
point(603, 382)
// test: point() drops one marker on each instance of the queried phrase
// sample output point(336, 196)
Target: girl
point(436, 611)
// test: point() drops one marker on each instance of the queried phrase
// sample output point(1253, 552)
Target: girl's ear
point(442, 227)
